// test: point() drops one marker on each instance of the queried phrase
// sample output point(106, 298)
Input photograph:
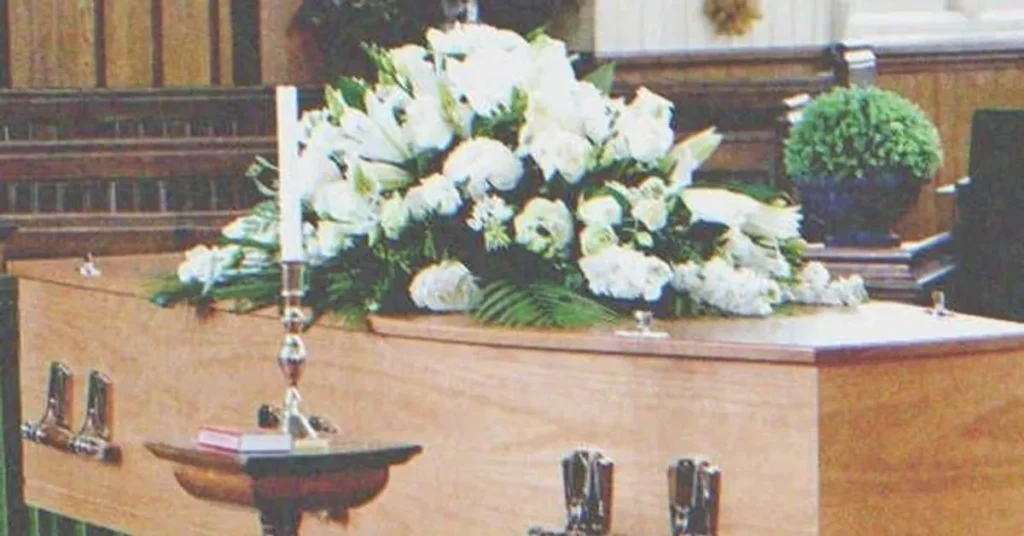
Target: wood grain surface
point(187, 57)
point(495, 410)
point(494, 422)
point(129, 43)
point(52, 43)
point(924, 447)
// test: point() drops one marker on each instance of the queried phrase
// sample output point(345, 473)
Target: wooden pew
point(129, 171)
point(72, 197)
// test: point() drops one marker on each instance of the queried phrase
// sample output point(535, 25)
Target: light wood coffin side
point(493, 420)
point(924, 447)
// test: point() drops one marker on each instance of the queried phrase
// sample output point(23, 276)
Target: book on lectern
point(243, 441)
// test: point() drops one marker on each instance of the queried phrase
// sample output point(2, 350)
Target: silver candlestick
point(292, 358)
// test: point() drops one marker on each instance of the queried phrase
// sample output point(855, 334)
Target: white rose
point(594, 239)
point(600, 211)
point(482, 163)
point(426, 126)
point(341, 201)
point(252, 228)
point(640, 137)
point(443, 287)
point(436, 194)
point(208, 265)
point(544, 227)
point(394, 216)
point(652, 213)
point(558, 151)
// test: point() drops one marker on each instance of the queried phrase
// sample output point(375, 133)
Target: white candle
point(288, 169)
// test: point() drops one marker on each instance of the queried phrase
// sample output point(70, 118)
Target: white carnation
point(625, 274)
point(482, 163)
point(435, 194)
point(738, 291)
point(443, 287)
point(545, 227)
point(490, 214)
point(558, 151)
point(207, 265)
point(598, 112)
point(765, 258)
point(600, 211)
point(816, 286)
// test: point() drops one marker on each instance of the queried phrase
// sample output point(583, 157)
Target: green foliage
point(538, 305)
point(850, 133)
point(603, 77)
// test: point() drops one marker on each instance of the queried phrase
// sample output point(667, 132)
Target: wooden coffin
point(880, 420)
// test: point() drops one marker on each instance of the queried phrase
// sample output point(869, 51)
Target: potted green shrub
point(859, 157)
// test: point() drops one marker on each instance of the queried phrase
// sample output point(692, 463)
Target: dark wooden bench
point(71, 197)
point(129, 171)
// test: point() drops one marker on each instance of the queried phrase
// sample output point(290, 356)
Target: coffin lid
point(811, 335)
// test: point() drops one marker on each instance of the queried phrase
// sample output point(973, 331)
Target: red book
point(236, 440)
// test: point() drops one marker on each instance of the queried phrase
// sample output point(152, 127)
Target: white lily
point(743, 212)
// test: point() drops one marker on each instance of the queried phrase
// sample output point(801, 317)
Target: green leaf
point(353, 92)
point(538, 305)
point(603, 77)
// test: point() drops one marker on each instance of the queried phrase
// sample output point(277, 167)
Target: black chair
point(989, 233)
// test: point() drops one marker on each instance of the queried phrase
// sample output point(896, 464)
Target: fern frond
point(538, 305)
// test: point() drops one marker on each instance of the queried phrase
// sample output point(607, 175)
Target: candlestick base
point(293, 421)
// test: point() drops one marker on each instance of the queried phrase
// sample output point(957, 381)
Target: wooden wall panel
point(187, 59)
point(128, 30)
point(53, 43)
point(950, 95)
point(225, 44)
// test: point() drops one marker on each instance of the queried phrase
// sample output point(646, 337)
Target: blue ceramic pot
point(857, 212)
